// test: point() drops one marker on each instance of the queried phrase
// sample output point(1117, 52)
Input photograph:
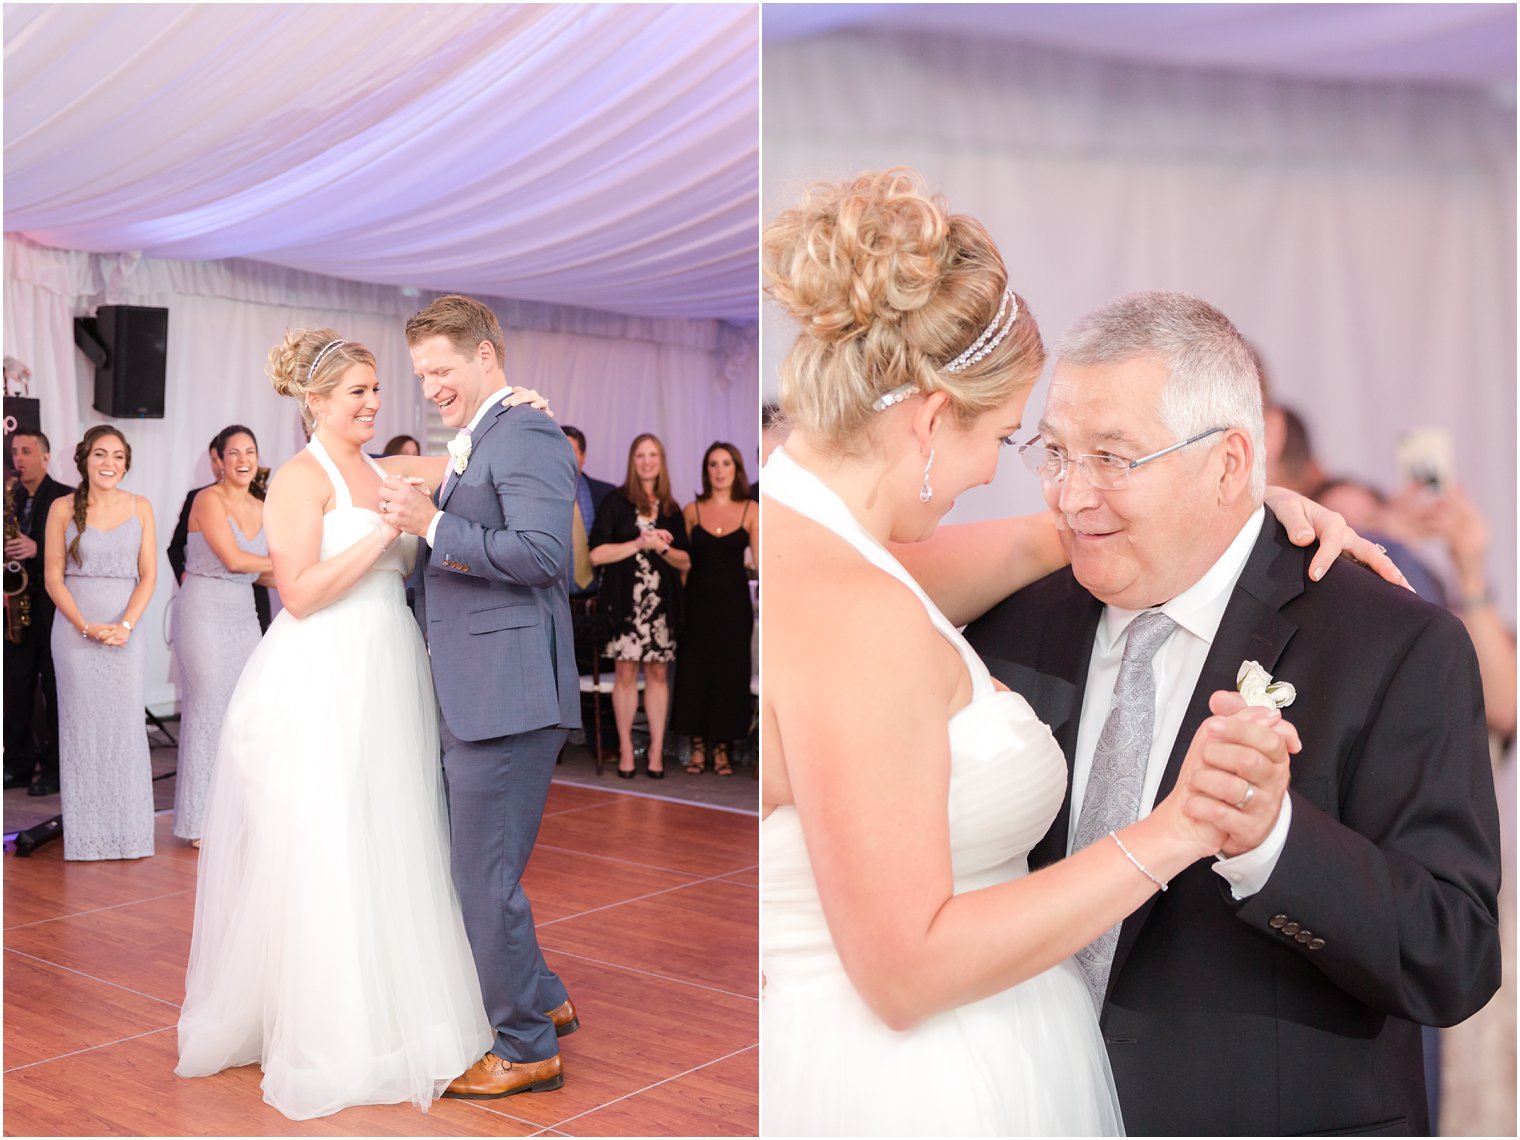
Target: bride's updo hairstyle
point(309, 362)
point(889, 287)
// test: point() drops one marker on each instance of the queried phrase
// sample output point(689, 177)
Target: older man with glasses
point(1280, 990)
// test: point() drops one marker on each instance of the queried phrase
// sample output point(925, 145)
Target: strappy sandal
point(698, 762)
point(721, 766)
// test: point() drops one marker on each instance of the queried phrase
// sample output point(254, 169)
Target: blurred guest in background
point(1451, 519)
point(29, 742)
point(583, 579)
point(639, 541)
point(1366, 510)
point(101, 560)
point(402, 445)
point(1290, 455)
point(215, 624)
point(712, 679)
point(182, 528)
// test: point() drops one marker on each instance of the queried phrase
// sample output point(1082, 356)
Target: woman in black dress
point(712, 681)
point(639, 541)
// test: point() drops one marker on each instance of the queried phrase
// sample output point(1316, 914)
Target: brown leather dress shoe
point(564, 1018)
point(492, 1077)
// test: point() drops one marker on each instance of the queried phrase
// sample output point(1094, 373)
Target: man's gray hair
point(1214, 380)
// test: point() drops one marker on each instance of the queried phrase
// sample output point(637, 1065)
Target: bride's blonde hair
point(888, 287)
point(310, 362)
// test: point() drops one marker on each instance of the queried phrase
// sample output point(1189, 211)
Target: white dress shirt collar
point(1200, 608)
point(494, 398)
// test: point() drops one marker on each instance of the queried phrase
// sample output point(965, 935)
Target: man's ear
point(1239, 455)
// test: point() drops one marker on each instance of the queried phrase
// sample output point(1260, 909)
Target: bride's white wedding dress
point(328, 942)
point(1027, 1061)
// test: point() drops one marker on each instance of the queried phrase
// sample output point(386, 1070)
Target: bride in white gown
point(328, 944)
point(918, 978)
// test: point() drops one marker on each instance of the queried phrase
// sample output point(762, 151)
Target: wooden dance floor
point(645, 907)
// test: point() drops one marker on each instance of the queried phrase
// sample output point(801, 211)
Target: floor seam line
point(635, 863)
point(91, 977)
point(656, 1084)
point(652, 974)
point(97, 910)
point(639, 898)
point(89, 1049)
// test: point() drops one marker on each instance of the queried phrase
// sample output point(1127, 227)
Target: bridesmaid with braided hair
point(100, 572)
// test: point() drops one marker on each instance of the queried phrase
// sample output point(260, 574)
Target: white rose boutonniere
point(459, 450)
point(1257, 687)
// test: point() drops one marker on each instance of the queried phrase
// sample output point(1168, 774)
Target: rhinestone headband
point(895, 396)
point(991, 337)
point(312, 371)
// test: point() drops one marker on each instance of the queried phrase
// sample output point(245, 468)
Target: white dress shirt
point(1197, 611)
point(495, 397)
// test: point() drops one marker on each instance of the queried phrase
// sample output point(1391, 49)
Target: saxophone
point(18, 601)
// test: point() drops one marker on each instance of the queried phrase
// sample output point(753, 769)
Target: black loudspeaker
point(129, 346)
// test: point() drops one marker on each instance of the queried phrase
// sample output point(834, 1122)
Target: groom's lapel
point(1253, 629)
point(476, 436)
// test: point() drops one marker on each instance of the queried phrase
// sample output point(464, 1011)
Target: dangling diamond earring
point(926, 492)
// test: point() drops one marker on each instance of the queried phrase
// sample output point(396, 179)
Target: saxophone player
point(31, 742)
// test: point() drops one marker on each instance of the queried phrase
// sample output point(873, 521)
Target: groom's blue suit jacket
point(1297, 1010)
point(492, 601)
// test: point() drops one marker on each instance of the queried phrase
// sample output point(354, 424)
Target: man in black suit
point(181, 536)
point(1281, 989)
point(29, 660)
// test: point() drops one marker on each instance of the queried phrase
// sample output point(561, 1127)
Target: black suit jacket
point(176, 554)
point(1297, 1010)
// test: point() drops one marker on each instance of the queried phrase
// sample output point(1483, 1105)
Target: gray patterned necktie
point(1118, 769)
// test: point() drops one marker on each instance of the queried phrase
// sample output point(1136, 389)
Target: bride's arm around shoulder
point(298, 497)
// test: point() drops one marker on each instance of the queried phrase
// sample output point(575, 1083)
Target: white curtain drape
point(596, 155)
point(1362, 236)
point(689, 381)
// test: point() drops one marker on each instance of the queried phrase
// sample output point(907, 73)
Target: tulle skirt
point(1029, 1061)
point(328, 943)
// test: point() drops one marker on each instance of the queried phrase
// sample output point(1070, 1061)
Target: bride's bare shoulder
point(300, 477)
point(824, 607)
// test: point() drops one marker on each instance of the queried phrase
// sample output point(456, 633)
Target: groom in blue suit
point(498, 626)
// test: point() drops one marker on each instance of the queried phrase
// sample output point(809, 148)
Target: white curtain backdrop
point(1362, 236)
point(689, 381)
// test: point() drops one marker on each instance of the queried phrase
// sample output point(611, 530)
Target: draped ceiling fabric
point(591, 172)
point(1360, 231)
point(601, 156)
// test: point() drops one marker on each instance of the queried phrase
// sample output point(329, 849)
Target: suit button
point(1316, 944)
point(1290, 928)
point(1276, 921)
point(1303, 936)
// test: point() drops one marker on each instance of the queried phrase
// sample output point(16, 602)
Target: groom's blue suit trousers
point(496, 791)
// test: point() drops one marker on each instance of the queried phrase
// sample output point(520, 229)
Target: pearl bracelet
point(1114, 835)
